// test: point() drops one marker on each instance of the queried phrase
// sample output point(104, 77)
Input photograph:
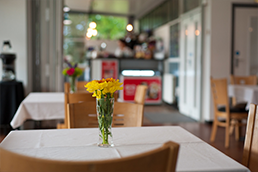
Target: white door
point(246, 42)
point(190, 66)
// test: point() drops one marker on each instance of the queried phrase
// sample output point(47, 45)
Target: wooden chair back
point(243, 80)
point(74, 98)
point(84, 115)
point(160, 159)
point(220, 93)
point(127, 114)
point(140, 93)
point(250, 153)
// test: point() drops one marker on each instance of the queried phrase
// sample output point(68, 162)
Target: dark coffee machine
point(8, 58)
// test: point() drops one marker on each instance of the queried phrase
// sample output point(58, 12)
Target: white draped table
point(80, 144)
point(39, 106)
point(244, 93)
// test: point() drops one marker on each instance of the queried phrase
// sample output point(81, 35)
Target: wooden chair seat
point(233, 109)
point(161, 159)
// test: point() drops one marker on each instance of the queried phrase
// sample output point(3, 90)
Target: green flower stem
point(105, 112)
point(72, 83)
point(104, 136)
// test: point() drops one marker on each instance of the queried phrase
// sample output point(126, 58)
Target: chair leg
point(237, 133)
point(227, 136)
point(214, 130)
point(231, 129)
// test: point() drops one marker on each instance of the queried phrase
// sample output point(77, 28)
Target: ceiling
point(136, 8)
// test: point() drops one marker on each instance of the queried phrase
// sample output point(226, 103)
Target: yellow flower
point(97, 94)
point(103, 87)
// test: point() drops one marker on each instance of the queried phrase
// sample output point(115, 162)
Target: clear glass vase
point(105, 107)
point(73, 81)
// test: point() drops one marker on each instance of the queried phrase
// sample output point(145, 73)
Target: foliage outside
point(108, 27)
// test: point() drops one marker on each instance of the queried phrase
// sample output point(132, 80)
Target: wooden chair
point(223, 111)
point(250, 153)
point(140, 94)
point(160, 159)
point(83, 115)
point(76, 98)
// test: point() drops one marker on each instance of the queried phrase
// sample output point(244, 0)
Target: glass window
point(109, 27)
point(78, 26)
point(190, 4)
point(174, 70)
point(174, 41)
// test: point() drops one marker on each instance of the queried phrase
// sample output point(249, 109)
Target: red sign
point(109, 69)
point(153, 94)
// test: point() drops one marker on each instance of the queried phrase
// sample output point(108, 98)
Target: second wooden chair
point(83, 115)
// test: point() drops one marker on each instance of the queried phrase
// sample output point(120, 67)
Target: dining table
point(195, 155)
point(244, 93)
point(39, 106)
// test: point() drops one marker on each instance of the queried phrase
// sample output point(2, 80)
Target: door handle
point(236, 62)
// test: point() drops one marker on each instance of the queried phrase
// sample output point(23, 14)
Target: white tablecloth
point(39, 106)
point(244, 93)
point(80, 144)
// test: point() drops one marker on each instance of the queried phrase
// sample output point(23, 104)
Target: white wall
point(221, 36)
point(217, 47)
point(14, 28)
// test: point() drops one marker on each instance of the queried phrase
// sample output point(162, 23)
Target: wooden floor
point(201, 130)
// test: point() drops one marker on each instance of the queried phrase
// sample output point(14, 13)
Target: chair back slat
point(250, 154)
point(140, 93)
point(163, 158)
point(80, 85)
point(80, 97)
point(219, 92)
point(243, 80)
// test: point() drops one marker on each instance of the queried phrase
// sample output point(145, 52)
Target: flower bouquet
point(104, 91)
point(72, 71)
